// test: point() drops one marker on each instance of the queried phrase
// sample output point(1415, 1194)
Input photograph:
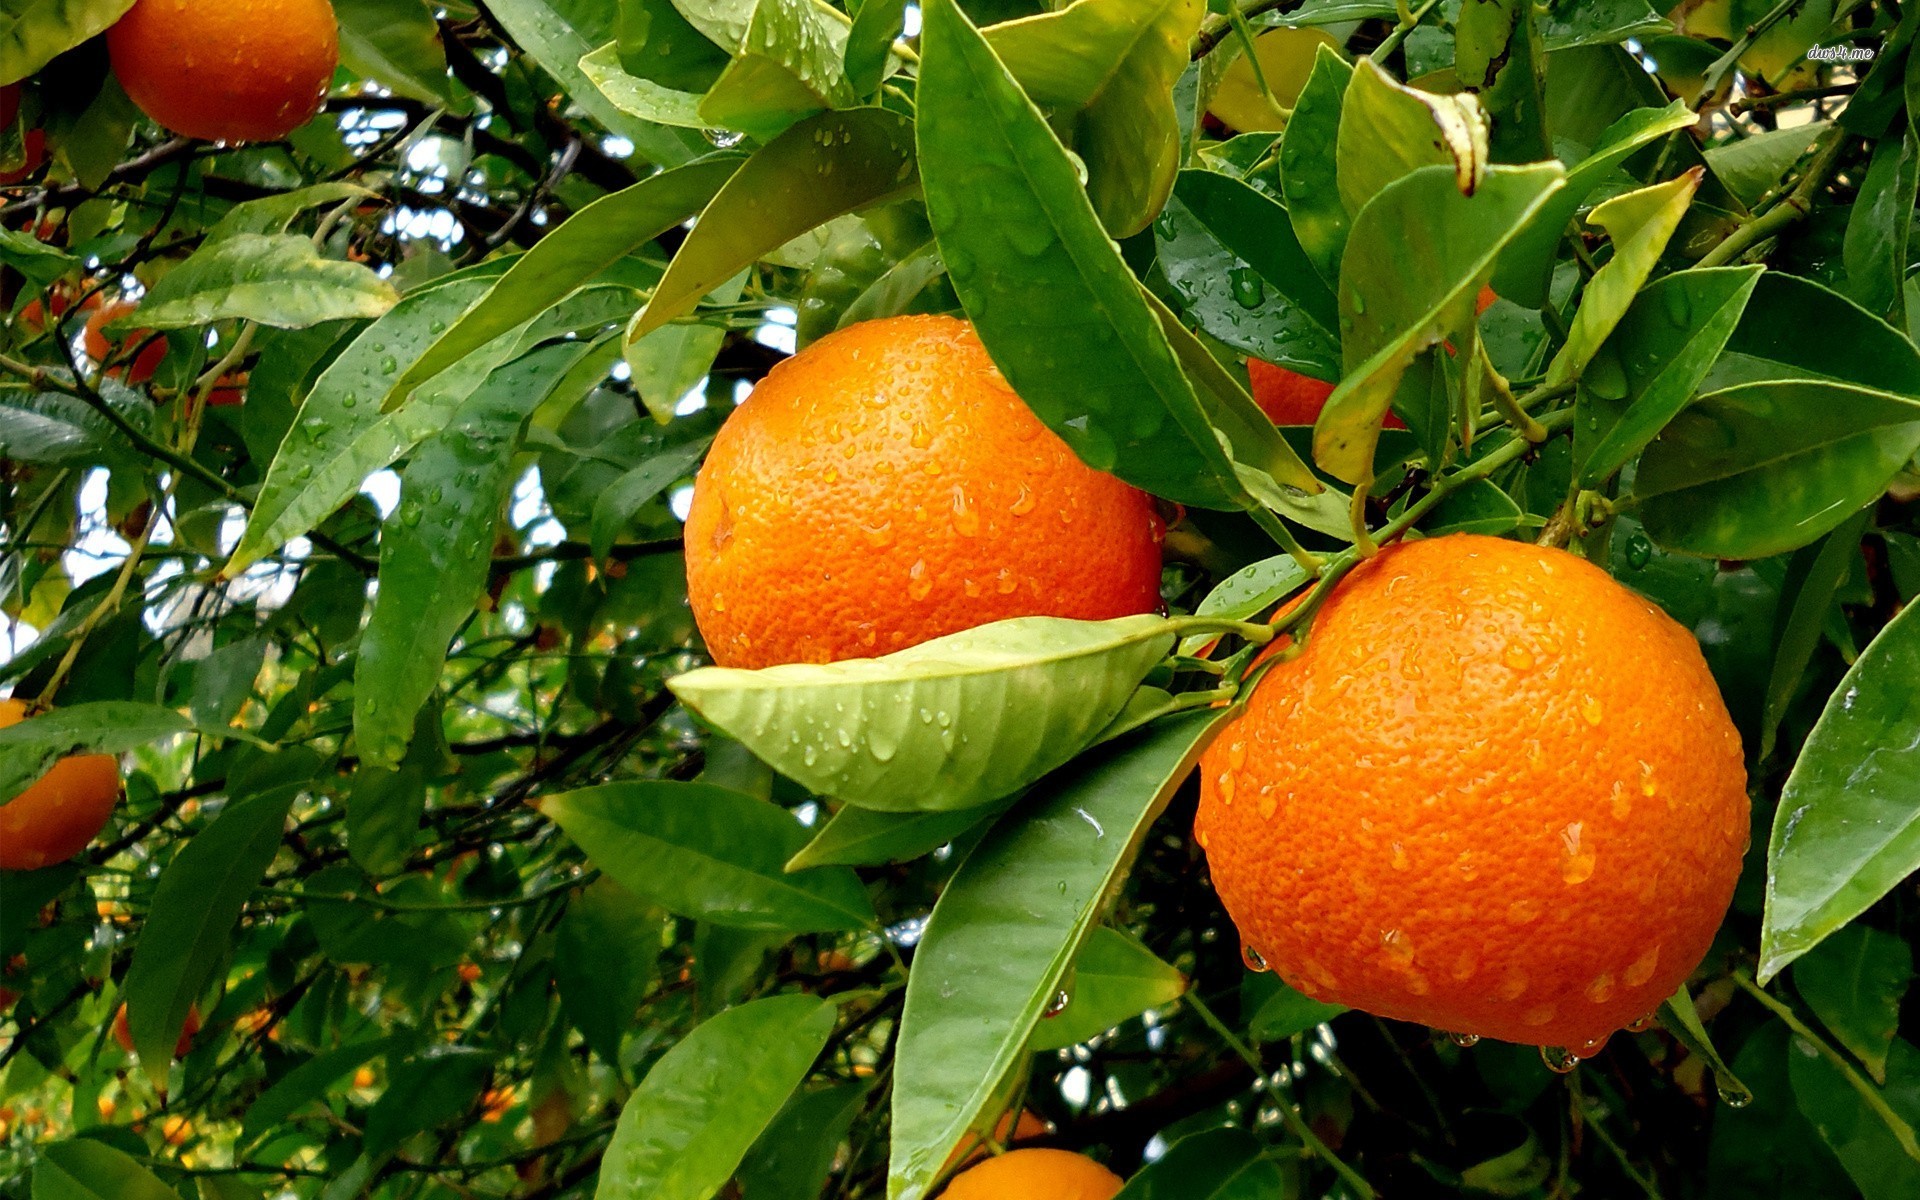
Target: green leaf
point(1109, 65)
point(189, 927)
point(1288, 1012)
point(1797, 329)
point(1388, 130)
point(1047, 290)
point(821, 168)
point(1309, 165)
point(1232, 261)
point(1006, 930)
point(1480, 507)
point(1867, 1141)
point(1498, 55)
point(29, 748)
point(35, 32)
point(703, 851)
point(1806, 602)
point(558, 43)
point(578, 250)
point(1679, 1018)
point(861, 837)
point(797, 1151)
point(1216, 1164)
point(1751, 167)
point(436, 548)
point(1854, 982)
point(1415, 261)
point(1880, 224)
point(603, 961)
point(951, 723)
point(691, 1121)
point(436, 1088)
point(1114, 979)
point(1569, 23)
point(58, 430)
point(1656, 357)
point(396, 44)
point(1526, 266)
point(87, 1169)
point(646, 99)
point(340, 436)
point(353, 926)
point(383, 817)
point(637, 487)
point(787, 66)
point(275, 279)
point(1254, 589)
point(876, 23)
point(1847, 830)
point(1640, 223)
point(1762, 468)
point(311, 1081)
point(659, 44)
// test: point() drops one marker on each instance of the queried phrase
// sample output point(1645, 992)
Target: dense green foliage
point(482, 885)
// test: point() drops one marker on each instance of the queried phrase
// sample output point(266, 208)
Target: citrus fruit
point(227, 70)
point(1496, 793)
point(101, 350)
point(1290, 398)
point(1035, 1175)
point(884, 487)
point(59, 813)
point(123, 1033)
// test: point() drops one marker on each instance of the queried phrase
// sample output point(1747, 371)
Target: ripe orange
point(1497, 793)
point(1035, 1175)
point(885, 486)
point(1290, 398)
point(123, 1033)
point(61, 812)
point(99, 349)
point(227, 70)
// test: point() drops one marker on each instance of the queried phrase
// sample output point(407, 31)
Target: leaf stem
point(1789, 210)
point(1726, 62)
point(1284, 1103)
point(1409, 21)
point(1874, 1098)
point(1277, 529)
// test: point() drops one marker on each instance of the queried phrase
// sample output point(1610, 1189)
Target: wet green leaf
point(1762, 468)
point(1114, 979)
point(862, 837)
point(952, 723)
point(396, 44)
point(1569, 23)
point(1498, 55)
point(189, 927)
point(1640, 223)
point(1288, 1012)
point(1388, 130)
point(584, 245)
point(1753, 166)
point(1480, 507)
point(29, 747)
point(1846, 829)
point(1309, 166)
point(34, 32)
point(1663, 347)
point(671, 361)
point(436, 548)
point(1113, 63)
point(796, 1153)
point(636, 488)
point(1859, 1136)
point(821, 168)
point(1679, 1017)
point(1046, 288)
point(1416, 259)
point(788, 65)
point(1231, 259)
point(689, 1124)
point(702, 851)
point(1855, 982)
point(1217, 1164)
point(274, 279)
point(1006, 930)
point(643, 98)
point(604, 961)
point(1881, 224)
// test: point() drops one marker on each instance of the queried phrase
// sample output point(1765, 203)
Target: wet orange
point(59, 813)
point(227, 70)
point(1496, 793)
point(1035, 1175)
point(884, 487)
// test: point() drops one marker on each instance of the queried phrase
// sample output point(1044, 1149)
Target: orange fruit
point(1496, 793)
point(99, 349)
point(123, 1033)
point(1290, 398)
point(60, 812)
point(227, 70)
point(1035, 1175)
point(885, 486)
